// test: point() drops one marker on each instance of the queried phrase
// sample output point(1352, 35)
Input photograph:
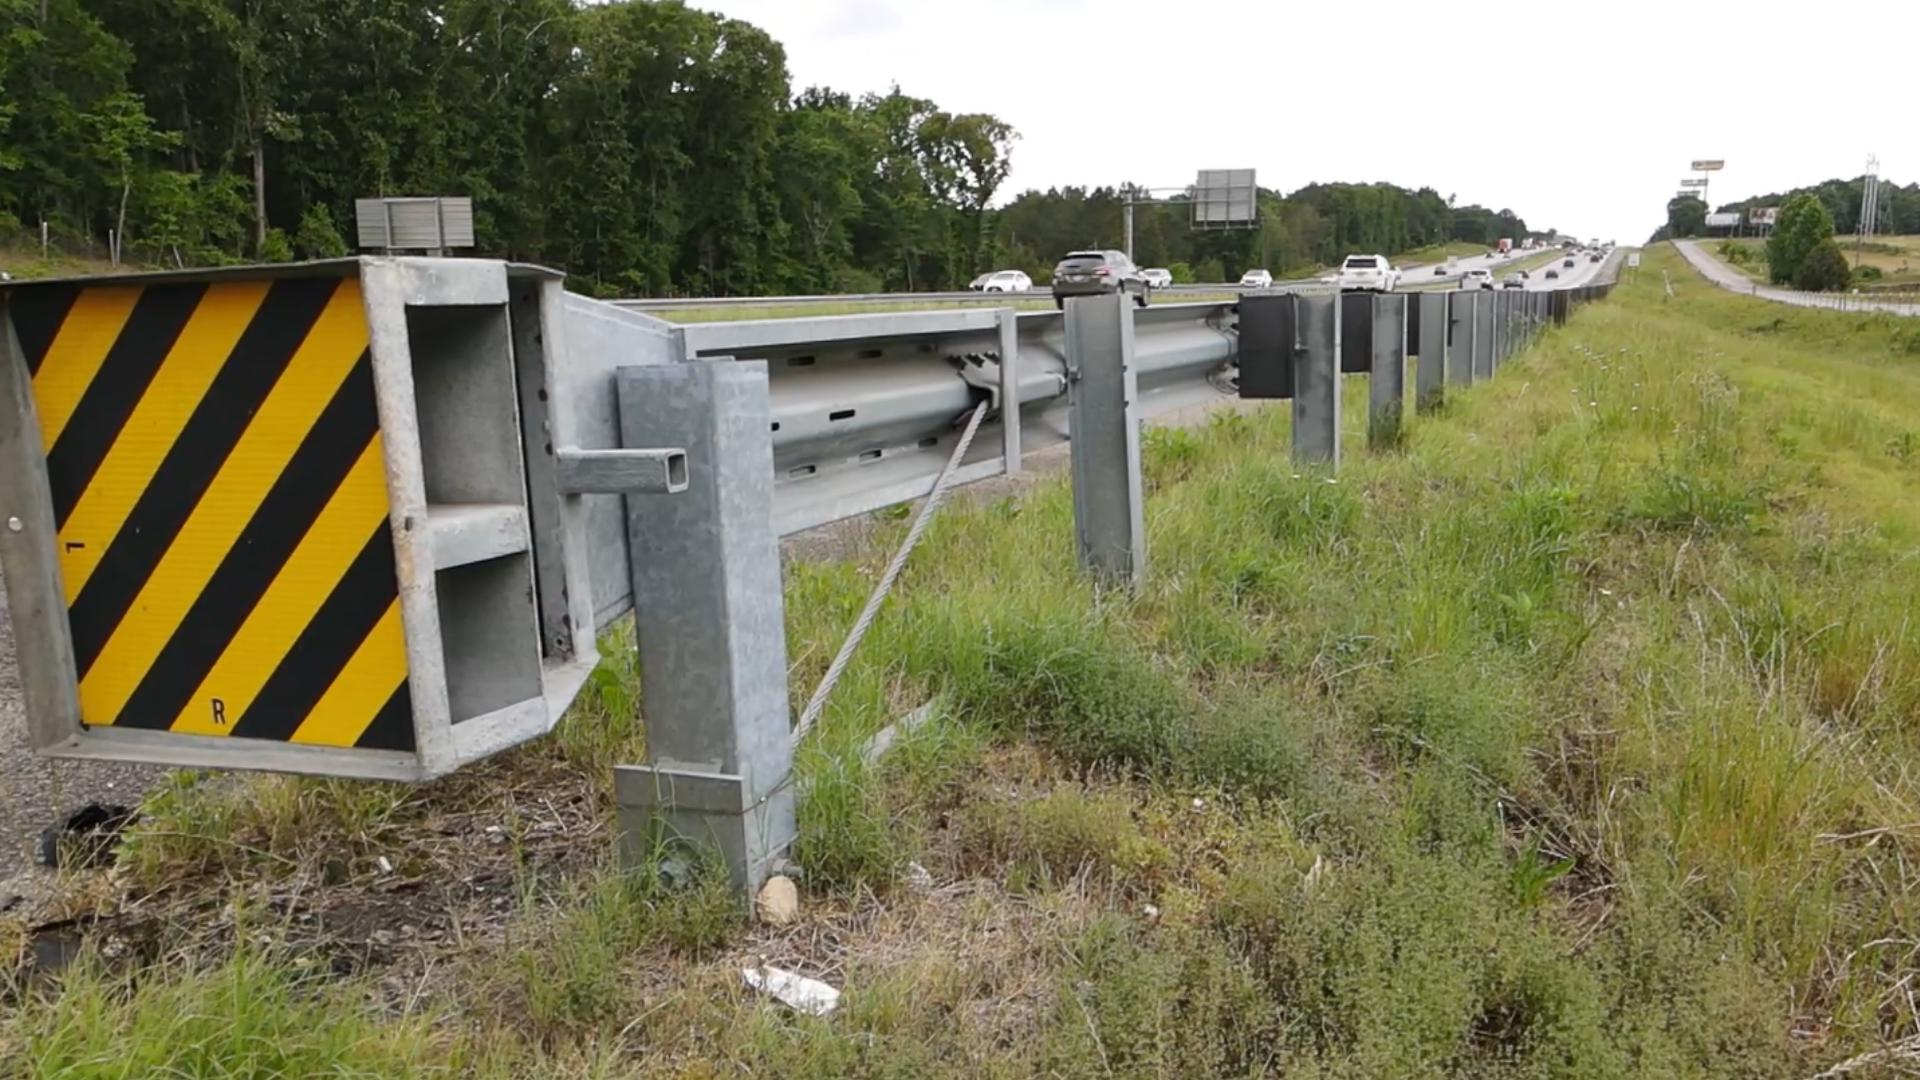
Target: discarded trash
point(918, 878)
point(90, 833)
point(795, 991)
point(385, 864)
point(779, 901)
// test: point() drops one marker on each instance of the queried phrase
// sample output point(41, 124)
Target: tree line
point(646, 147)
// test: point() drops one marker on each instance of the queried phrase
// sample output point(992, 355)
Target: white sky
point(1579, 116)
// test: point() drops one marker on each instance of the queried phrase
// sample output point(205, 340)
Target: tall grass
point(1576, 737)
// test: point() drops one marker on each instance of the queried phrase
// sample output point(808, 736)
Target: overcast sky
point(1579, 116)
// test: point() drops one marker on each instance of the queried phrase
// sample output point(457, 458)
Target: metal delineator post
point(1102, 391)
point(705, 568)
point(1430, 378)
point(1387, 381)
point(1316, 381)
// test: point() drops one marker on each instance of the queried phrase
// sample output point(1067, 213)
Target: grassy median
point(1576, 738)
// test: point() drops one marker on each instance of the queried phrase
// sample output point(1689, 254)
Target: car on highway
point(980, 281)
point(1440, 271)
point(1368, 273)
point(1090, 273)
point(1003, 281)
point(1477, 279)
point(1514, 281)
point(1553, 274)
point(1593, 258)
point(1256, 279)
point(1158, 277)
point(1566, 264)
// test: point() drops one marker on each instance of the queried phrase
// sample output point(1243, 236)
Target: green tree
point(1824, 269)
point(1803, 223)
point(1686, 216)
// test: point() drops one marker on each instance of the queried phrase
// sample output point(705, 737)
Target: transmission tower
point(1870, 197)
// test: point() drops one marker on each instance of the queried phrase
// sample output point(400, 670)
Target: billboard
point(1723, 221)
point(1224, 199)
point(1700, 165)
point(1762, 215)
point(1696, 182)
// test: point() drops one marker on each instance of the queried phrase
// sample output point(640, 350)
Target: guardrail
point(533, 464)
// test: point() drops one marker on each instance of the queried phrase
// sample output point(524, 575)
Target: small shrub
point(1866, 272)
point(1824, 269)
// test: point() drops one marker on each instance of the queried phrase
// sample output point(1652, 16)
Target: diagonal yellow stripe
point(178, 387)
point(304, 582)
point(91, 327)
point(362, 688)
point(317, 369)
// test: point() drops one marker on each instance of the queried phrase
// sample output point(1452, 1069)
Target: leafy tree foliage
point(1823, 269)
point(1899, 212)
point(1686, 216)
point(645, 146)
point(1802, 226)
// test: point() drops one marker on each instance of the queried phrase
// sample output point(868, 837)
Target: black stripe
point(329, 641)
point(158, 317)
point(392, 727)
point(277, 329)
point(37, 313)
point(312, 475)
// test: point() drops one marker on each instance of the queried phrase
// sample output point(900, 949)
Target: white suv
point(1368, 273)
point(1477, 279)
point(1256, 279)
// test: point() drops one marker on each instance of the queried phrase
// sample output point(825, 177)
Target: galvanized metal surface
point(1109, 508)
point(1430, 378)
point(1387, 383)
point(1316, 382)
point(708, 614)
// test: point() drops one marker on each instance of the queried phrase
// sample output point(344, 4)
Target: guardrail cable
point(818, 703)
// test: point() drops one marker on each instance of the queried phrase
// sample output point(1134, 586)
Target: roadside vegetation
point(1577, 738)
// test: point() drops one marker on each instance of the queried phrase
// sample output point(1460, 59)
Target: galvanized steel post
point(1430, 377)
point(1483, 336)
point(1007, 321)
point(705, 567)
point(1387, 382)
point(1316, 381)
point(1102, 391)
point(1463, 325)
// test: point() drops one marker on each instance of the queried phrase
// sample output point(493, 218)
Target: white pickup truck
point(1368, 273)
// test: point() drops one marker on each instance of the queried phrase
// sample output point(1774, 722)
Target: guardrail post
point(1387, 382)
point(1463, 324)
point(1561, 304)
point(1108, 504)
point(1267, 340)
point(1007, 321)
point(1316, 381)
point(1483, 336)
point(1430, 377)
point(705, 568)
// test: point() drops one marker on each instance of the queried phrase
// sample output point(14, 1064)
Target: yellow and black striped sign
point(218, 484)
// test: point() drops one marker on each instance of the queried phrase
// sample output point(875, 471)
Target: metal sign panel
point(1225, 199)
point(414, 224)
point(1700, 165)
point(1698, 181)
point(214, 456)
point(1633, 259)
point(1722, 221)
point(1763, 215)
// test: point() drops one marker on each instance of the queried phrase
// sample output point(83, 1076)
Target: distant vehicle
point(1595, 257)
point(1439, 271)
point(1368, 273)
point(1090, 273)
point(1514, 281)
point(1256, 279)
point(1552, 273)
point(1477, 279)
point(1504, 244)
point(1006, 281)
point(1567, 263)
point(1158, 277)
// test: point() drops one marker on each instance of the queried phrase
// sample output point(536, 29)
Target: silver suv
point(1090, 273)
